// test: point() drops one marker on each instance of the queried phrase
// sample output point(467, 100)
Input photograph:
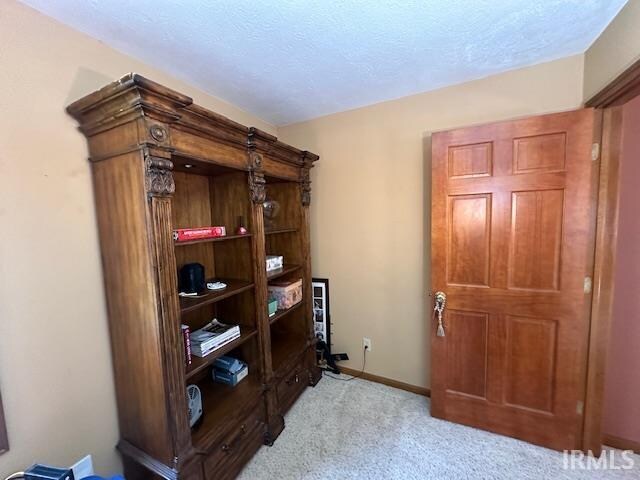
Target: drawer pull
point(227, 447)
point(293, 379)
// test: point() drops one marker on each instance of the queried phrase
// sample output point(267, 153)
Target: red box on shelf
point(200, 233)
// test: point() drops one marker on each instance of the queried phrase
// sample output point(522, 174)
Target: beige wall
point(55, 365)
point(614, 51)
point(370, 204)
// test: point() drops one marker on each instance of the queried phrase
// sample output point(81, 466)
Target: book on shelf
point(230, 378)
point(272, 304)
point(212, 336)
point(229, 370)
point(228, 363)
point(186, 332)
point(200, 233)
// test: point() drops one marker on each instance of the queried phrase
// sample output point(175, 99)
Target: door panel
point(539, 153)
point(536, 238)
point(470, 228)
point(512, 241)
point(469, 334)
point(470, 161)
point(530, 363)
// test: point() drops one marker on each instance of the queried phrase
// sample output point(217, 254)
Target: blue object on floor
point(93, 477)
point(45, 472)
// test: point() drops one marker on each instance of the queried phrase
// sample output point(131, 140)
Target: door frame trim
point(603, 276)
point(622, 89)
point(610, 99)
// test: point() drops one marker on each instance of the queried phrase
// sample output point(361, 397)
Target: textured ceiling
point(291, 60)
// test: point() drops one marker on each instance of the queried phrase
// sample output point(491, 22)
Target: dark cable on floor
point(364, 364)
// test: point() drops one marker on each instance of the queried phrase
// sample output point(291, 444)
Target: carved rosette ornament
point(158, 133)
point(256, 178)
point(158, 176)
point(305, 182)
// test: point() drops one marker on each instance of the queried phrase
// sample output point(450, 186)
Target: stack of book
point(212, 336)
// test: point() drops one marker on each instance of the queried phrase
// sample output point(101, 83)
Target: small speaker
point(191, 278)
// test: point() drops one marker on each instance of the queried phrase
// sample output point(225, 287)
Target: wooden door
point(513, 215)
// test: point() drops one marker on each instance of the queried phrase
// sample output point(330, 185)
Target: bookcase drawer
point(228, 458)
point(290, 388)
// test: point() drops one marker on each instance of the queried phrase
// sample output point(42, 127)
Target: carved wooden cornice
point(134, 96)
point(270, 146)
point(204, 122)
point(260, 140)
point(169, 120)
point(124, 100)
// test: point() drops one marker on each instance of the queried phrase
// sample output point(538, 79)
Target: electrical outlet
point(366, 343)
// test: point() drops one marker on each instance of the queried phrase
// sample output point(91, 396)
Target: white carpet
point(363, 430)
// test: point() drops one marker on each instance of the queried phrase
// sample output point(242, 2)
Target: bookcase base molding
point(159, 164)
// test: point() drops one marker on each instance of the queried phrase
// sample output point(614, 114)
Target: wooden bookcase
point(160, 163)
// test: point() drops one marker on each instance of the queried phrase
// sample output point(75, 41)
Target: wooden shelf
point(198, 364)
point(215, 239)
point(287, 268)
point(284, 349)
point(234, 287)
point(275, 231)
point(220, 404)
point(281, 313)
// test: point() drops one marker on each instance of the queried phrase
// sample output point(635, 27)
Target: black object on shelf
point(191, 278)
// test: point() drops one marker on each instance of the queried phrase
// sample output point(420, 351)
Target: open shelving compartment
point(283, 236)
point(219, 198)
point(222, 403)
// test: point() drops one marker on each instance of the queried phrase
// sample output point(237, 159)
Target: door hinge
point(588, 284)
point(595, 152)
point(580, 407)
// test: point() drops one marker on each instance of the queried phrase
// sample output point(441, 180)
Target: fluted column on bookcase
point(160, 187)
point(305, 198)
point(257, 191)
